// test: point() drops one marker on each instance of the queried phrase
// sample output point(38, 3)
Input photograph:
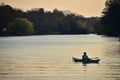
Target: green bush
point(21, 26)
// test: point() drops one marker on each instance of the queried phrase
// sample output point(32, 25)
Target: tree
point(111, 18)
point(21, 26)
point(7, 15)
point(45, 22)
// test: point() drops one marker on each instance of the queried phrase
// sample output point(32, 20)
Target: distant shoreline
point(3, 35)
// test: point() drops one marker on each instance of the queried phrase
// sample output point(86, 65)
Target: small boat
point(91, 60)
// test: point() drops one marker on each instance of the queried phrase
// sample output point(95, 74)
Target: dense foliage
point(63, 22)
point(7, 15)
point(46, 22)
point(21, 26)
point(111, 18)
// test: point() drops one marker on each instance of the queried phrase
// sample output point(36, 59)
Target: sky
point(87, 8)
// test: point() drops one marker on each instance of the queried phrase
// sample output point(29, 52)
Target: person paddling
point(85, 57)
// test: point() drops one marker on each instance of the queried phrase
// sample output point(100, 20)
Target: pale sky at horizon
point(87, 8)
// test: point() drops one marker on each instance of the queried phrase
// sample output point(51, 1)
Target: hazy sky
point(86, 8)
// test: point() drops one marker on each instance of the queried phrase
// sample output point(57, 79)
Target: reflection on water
point(50, 57)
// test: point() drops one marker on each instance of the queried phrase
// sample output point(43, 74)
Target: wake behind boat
point(91, 60)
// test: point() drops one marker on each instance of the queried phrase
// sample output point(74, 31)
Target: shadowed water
point(50, 57)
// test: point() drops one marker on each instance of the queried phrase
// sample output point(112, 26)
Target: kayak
point(86, 61)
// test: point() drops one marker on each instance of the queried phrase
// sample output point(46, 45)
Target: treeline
point(110, 21)
point(44, 22)
point(15, 21)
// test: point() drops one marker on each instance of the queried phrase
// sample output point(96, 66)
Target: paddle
point(94, 58)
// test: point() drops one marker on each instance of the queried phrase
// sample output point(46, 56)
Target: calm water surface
point(50, 57)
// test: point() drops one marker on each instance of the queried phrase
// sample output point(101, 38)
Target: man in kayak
point(85, 57)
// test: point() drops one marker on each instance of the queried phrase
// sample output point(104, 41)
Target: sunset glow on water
point(50, 57)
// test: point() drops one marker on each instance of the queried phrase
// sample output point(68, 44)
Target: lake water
point(49, 57)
